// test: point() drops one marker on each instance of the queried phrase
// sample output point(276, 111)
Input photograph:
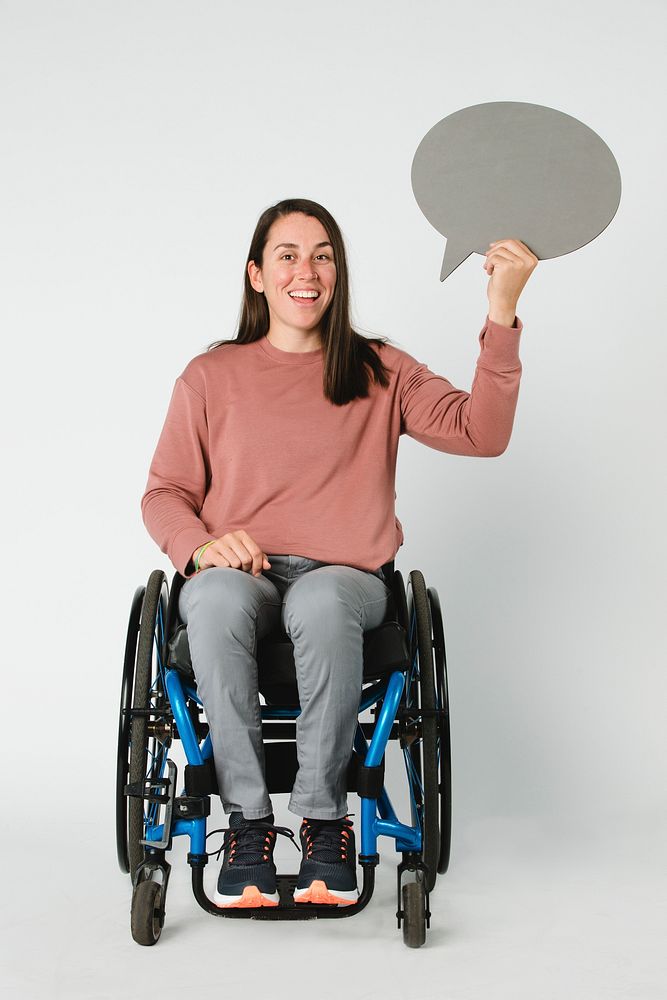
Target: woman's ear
point(255, 275)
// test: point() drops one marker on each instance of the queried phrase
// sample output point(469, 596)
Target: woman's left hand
point(510, 264)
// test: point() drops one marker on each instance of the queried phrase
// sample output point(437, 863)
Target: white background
point(141, 141)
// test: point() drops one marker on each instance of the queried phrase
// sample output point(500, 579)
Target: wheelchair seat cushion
point(385, 650)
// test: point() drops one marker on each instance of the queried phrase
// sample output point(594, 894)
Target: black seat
point(385, 647)
point(385, 650)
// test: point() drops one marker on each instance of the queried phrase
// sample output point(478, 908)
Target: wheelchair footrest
point(287, 908)
point(286, 886)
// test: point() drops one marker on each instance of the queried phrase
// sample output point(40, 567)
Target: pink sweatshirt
point(250, 441)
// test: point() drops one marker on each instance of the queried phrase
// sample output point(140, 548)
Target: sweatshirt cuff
point(500, 344)
point(184, 544)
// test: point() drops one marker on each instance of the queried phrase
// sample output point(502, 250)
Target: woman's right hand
point(237, 550)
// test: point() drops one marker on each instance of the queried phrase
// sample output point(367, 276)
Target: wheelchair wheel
point(150, 729)
point(444, 742)
point(146, 912)
point(122, 762)
point(423, 750)
point(414, 914)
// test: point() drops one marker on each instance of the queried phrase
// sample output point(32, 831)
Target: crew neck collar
point(289, 357)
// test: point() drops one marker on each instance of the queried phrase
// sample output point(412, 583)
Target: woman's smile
point(304, 297)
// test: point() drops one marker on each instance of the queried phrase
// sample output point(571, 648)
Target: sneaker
point(328, 872)
point(248, 874)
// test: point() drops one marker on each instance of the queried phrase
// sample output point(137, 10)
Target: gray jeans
point(325, 610)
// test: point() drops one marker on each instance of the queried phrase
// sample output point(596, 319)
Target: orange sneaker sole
point(318, 892)
point(251, 897)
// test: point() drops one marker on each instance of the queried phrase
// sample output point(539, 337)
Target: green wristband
point(200, 554)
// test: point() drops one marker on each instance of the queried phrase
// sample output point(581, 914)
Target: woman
point(272, 492)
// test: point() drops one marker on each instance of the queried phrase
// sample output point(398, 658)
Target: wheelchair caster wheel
point(147, 913)
point(414, 914)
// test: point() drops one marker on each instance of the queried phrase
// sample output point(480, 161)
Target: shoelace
point(250, 843)
point(327, 839)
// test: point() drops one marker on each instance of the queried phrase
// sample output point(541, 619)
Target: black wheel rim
point(122, 761)
point(148, 751)
point(422, 756)
point(444, 741)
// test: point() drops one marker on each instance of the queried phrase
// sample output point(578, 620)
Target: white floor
point(521, 913)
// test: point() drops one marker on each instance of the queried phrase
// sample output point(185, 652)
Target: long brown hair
point(348, 358)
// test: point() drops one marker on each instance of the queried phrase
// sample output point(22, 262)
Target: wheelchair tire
point(424, 751)
point(148, 695)
point(444, 741)
point(146, 916)
point(122, 760)
point(414, 914)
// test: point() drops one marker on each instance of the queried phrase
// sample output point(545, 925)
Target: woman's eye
point(325, 255)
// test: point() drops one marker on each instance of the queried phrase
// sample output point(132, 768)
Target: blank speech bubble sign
point(510, 170)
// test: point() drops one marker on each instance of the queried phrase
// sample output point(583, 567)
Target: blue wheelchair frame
point(158, 835)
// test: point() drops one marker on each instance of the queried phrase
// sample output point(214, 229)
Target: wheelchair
point(405, 691)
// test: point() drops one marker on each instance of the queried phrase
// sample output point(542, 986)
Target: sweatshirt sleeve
point(478, 422)
point(177, 479)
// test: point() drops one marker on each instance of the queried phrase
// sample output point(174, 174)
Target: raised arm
point(453, 420)
point(478, 422)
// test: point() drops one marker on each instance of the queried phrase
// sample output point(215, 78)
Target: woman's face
point(297, 258)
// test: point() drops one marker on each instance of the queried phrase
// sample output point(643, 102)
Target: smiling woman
point(272, 490)
point(297, 249)
point(301, 268)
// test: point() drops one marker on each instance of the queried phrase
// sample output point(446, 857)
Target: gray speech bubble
point(510, 170)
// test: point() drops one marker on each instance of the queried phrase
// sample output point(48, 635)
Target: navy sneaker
point(328, 872)
point(248, 874)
